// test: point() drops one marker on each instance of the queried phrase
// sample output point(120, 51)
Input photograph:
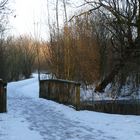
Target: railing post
point(77, 97)
point(3, 97)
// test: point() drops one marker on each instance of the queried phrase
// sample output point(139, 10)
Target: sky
point(30, 16)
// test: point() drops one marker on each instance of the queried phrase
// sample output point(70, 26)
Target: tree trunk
point(108, 79)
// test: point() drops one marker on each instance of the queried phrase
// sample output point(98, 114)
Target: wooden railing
point(62, 91)
point(3, 97)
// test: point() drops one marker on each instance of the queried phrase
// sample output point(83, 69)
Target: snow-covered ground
point(31, 118)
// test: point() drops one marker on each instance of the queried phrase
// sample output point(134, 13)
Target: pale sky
point(31, 17)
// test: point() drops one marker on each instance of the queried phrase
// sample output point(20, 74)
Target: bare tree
point(123, 23)
point(4, 11)
point(28, 55)
point(65, 11)
point(57, 15)
point(78, 57)
point(21, 58)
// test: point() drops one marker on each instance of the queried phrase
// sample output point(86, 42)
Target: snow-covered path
point(32, 118)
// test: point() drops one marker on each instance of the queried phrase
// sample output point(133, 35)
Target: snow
point(88, 94)
point(126, 93)
point(32, 118)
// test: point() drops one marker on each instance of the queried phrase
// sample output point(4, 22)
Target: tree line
point(99, 46)
point(17, 58)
